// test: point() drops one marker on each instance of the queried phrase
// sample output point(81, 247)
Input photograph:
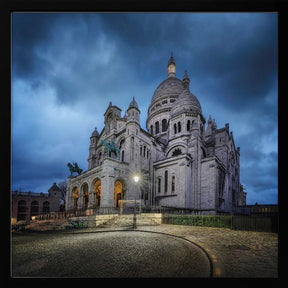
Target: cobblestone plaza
point(103, 252)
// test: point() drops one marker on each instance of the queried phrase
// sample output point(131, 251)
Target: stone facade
point(25, 205)
point(181, 161)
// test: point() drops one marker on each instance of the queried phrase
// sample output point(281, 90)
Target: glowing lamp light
point(136, 178)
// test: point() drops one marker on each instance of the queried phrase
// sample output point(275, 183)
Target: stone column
point(107, 184)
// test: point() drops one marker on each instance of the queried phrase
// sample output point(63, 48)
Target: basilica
point(180, 160)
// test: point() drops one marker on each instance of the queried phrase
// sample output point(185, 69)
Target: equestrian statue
point(74, 168)
point(111, 148)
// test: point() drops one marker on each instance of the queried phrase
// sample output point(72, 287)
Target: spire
point(186, 81)
point(171, 66)
point(133, 111)
point(133, 104)
point(95, 133)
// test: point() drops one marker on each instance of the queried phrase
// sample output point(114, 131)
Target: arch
point(176, 152)
point(118, 192)
point(34, 208)
point(182, 147)
point(157, 127)
point(173, 184)
point(85, 195)
point(121, 143)
point(159, 184)
point(164, 125)
point(166, 181)
point(46, 207)
point(75, 196)
point(188, 125)
point(179, 127)
point(97, 192)
point(22, 210)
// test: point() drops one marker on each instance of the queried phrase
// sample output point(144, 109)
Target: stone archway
point(85, 193)
point(118, 193)
point(22, 210)
point(97, 192)
point(75, 196)
point(46, 207)
point(34, 208)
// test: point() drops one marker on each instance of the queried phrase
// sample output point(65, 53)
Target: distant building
point(183, 162)
point(264, 209)
point(25, 205)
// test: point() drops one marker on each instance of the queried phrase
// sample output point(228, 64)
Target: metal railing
point(235, 222)
point(76, 213)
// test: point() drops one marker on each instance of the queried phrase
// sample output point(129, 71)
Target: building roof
point(133, 104)
point(95, 133)
point(54, 187)
point(168, 87)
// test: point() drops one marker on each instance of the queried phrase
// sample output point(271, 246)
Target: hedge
point(199, 220)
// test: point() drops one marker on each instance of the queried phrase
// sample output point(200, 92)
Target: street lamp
point(136, 180)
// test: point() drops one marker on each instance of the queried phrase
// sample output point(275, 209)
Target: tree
point(63, 187)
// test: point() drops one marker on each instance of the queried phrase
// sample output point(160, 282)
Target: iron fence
point(236, 222)
point(181, 217)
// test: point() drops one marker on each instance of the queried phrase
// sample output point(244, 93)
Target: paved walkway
point(121, 254)
point(233, 253)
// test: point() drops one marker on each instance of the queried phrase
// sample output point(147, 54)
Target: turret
point(133, 112)
point(94, 138)
point(92, 148)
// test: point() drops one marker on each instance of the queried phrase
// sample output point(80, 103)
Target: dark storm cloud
point(234, 52)
point(28, 32)
point(241, 57)
point(238, 51)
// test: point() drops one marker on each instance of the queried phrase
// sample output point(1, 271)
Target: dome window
point(157, 127)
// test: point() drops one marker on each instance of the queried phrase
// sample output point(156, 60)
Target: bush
point(199, 220)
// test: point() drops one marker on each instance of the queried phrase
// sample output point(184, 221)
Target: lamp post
point(136, 179)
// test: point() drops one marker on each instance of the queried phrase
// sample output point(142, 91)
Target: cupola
point(133, 112)
point(186, 102)
point(171, 66)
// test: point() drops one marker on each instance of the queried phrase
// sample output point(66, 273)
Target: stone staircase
point(99, 221)
point(47, 225)
point(126, 220)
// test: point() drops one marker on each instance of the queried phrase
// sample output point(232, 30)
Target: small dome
point(133, 104)
point(186, 102)
point(95, 133)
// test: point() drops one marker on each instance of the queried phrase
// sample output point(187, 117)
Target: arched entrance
point(118, 193)
point(85, 194)
point(22, 210)
point(97, 192)
point(75, 196)
point(34, 208)
point(46, 207)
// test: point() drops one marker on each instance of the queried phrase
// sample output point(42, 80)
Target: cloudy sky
point(66, 67)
